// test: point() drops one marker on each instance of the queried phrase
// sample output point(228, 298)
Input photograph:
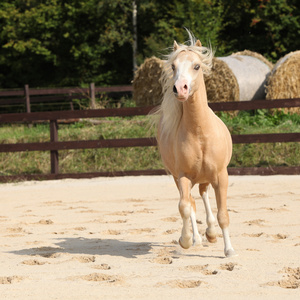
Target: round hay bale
point(147, 88)
point(221, 84)
point(284, 81)
point(256, 55)
point(237, 78)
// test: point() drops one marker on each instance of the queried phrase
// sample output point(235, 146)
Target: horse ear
point(198, 43)
point(175, 47)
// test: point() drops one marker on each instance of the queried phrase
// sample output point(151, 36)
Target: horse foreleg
point(210, 219)
point(185, 209)
point(223, 217)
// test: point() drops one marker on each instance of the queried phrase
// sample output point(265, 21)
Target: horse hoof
point(230, 253)
point(185, 244)
point(211, 239)
point(197, 242)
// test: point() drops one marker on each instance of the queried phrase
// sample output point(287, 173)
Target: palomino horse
point(195, 145)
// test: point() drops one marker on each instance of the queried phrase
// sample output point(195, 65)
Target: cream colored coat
point(195, 145)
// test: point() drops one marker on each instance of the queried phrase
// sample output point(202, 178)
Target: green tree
point(270, 27)
point(162, 22)
point(73, 42)
point(64, 42)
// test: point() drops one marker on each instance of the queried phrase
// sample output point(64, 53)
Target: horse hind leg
point(210, 233)
point(197, 240)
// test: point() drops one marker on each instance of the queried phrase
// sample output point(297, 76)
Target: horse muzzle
point(181, 90)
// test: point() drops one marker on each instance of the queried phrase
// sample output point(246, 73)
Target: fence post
point(27, 98)
point(54, 153)
point(71, 102)
point(92, 95)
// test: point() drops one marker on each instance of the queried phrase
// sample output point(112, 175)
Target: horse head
point(186, 65)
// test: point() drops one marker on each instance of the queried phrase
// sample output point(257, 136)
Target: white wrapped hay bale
point(284, 81)
point(256, 55)
point(147, 88)
point(237, 78)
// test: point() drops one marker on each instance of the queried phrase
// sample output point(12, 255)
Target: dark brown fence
point(54, 145)
point(28, 96)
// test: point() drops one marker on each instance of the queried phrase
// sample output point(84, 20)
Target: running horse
point(195, 145)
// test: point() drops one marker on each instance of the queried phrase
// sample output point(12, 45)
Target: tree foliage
point(74, 42)
point(160, 22)
point(270, 27)
point(64, 42)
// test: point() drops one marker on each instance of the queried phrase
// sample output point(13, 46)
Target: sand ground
point(116, 238)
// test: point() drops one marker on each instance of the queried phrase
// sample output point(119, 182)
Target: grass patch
point(139, 158)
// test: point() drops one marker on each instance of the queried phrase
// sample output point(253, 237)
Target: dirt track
point(111, 238)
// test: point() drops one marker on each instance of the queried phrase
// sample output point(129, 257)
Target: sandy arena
point(116, 238)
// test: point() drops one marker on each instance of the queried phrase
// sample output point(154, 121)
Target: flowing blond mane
point(170, 110)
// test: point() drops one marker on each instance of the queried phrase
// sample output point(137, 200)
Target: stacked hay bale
point(147, 89)
point(221, 84)
point(238, 77)
point(284, 81)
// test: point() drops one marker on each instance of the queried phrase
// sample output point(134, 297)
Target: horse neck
point(196, 112)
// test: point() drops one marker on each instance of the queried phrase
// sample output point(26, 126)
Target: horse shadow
point(87, 246)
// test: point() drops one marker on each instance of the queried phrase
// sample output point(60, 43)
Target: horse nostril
point(185, 87)
point(174, 89)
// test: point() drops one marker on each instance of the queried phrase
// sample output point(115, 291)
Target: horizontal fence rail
point(141, 142)
point(255, 104)
point(136, 111)
point(76, 114)
point(54, 145)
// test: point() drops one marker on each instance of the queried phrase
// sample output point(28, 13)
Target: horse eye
point(197, 67)
point(173, 67)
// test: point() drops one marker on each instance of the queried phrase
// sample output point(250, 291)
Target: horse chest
point(189, 154)
point(188, 150)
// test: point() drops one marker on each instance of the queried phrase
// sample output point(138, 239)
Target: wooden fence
point(54, 145)
point(28, 96)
